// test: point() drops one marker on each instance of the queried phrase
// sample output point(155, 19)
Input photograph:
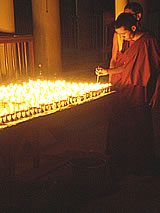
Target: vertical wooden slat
point(0, 71)
point(25, 56)
point(22, 56)
point(13, 58)
point(19, 58)
point(6, 58)
point(0, 62)
point(31, 57)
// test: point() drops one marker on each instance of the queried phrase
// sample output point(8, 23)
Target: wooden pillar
point(119, 7)
point(7, 25)
point(7, 16)
point(46, 31)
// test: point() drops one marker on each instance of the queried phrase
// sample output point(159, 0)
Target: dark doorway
point(82, 22)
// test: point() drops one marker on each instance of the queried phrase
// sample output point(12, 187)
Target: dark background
point(82, 28)
point(87, 27)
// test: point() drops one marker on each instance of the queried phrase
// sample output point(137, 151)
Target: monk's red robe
point(131, 136)
point(116, 78)
point(142, 66)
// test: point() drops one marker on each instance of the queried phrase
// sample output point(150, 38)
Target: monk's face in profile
point(125, 34)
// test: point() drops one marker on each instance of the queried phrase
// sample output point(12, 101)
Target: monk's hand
point(101, 72)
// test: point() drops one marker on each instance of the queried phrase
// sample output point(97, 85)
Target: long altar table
point(81, 128)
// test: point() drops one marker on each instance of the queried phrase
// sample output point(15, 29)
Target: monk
point(131, 141)
point(120, 45)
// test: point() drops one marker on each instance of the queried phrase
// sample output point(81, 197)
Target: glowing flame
point(19, 97)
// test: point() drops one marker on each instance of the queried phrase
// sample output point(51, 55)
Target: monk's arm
point(102, 71)
point(155, 101)
point(115, 70)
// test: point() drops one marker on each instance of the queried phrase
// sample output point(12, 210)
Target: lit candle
point(4, 119)
point(8, 117)
point(56, 104)
point(23, 114)
point(13, 116)
point(18, 115)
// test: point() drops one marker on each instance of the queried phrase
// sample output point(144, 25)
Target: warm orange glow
point(39, 96)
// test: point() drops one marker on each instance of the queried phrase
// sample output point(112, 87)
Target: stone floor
point(65, 190)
